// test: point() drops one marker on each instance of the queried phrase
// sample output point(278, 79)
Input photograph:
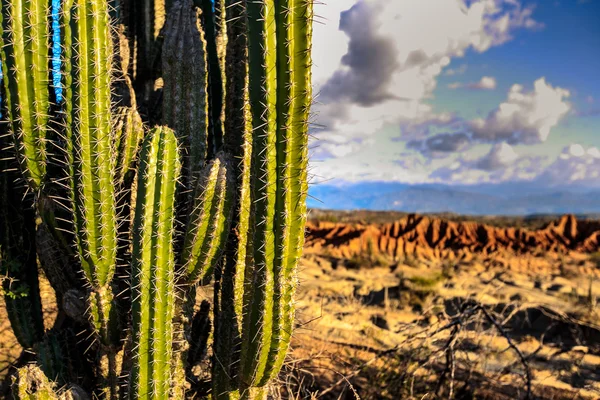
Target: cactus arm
point(25, 63)
point(185, 98)
point(153, 265)
point(285, 138)
point(209, 223)
point(279, 37)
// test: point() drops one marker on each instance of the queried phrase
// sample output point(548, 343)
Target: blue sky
point(463, 92)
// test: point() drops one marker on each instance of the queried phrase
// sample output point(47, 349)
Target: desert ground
point(404, 306)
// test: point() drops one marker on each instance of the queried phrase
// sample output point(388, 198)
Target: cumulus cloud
point(525, 117)
point(377, 70)
point(369, 64)
point(500, 156)
point(499, 163)
point(485, 83)
point(576, 165)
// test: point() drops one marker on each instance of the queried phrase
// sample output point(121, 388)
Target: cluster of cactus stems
point(174, 158)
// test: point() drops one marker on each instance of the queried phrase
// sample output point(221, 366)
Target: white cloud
point(500, 156)
point(525, 117)
point(575, 165)
point(485, 83)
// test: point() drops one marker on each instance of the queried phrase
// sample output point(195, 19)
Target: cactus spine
point(153, 269)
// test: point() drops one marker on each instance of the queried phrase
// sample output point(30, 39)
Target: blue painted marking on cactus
point(56, 51)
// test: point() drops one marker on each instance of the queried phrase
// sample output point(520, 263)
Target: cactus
point(127, 224)
point(25, 59)
point(185, 96)
point(278, 64)
point(153, 269)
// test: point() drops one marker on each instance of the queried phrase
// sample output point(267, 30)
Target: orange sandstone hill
point(427, 237)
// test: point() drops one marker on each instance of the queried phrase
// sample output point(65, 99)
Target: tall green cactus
point(278, 42)
point(153, 269)
point(217, 193)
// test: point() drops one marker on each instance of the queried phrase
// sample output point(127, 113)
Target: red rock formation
point(435, 238)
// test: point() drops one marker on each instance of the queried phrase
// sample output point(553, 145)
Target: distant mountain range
point(518, 198)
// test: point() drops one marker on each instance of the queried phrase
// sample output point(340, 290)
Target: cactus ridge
point(153, 269)
point(25, 55)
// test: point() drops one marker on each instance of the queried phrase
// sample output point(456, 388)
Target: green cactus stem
point(87, 28)
point(208, 225)
point(229, 274)
point(185, 97)
point(294, 63)
point(25, 60)
point(153, 269)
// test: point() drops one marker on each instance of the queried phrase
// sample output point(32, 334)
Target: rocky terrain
point(437, 238)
